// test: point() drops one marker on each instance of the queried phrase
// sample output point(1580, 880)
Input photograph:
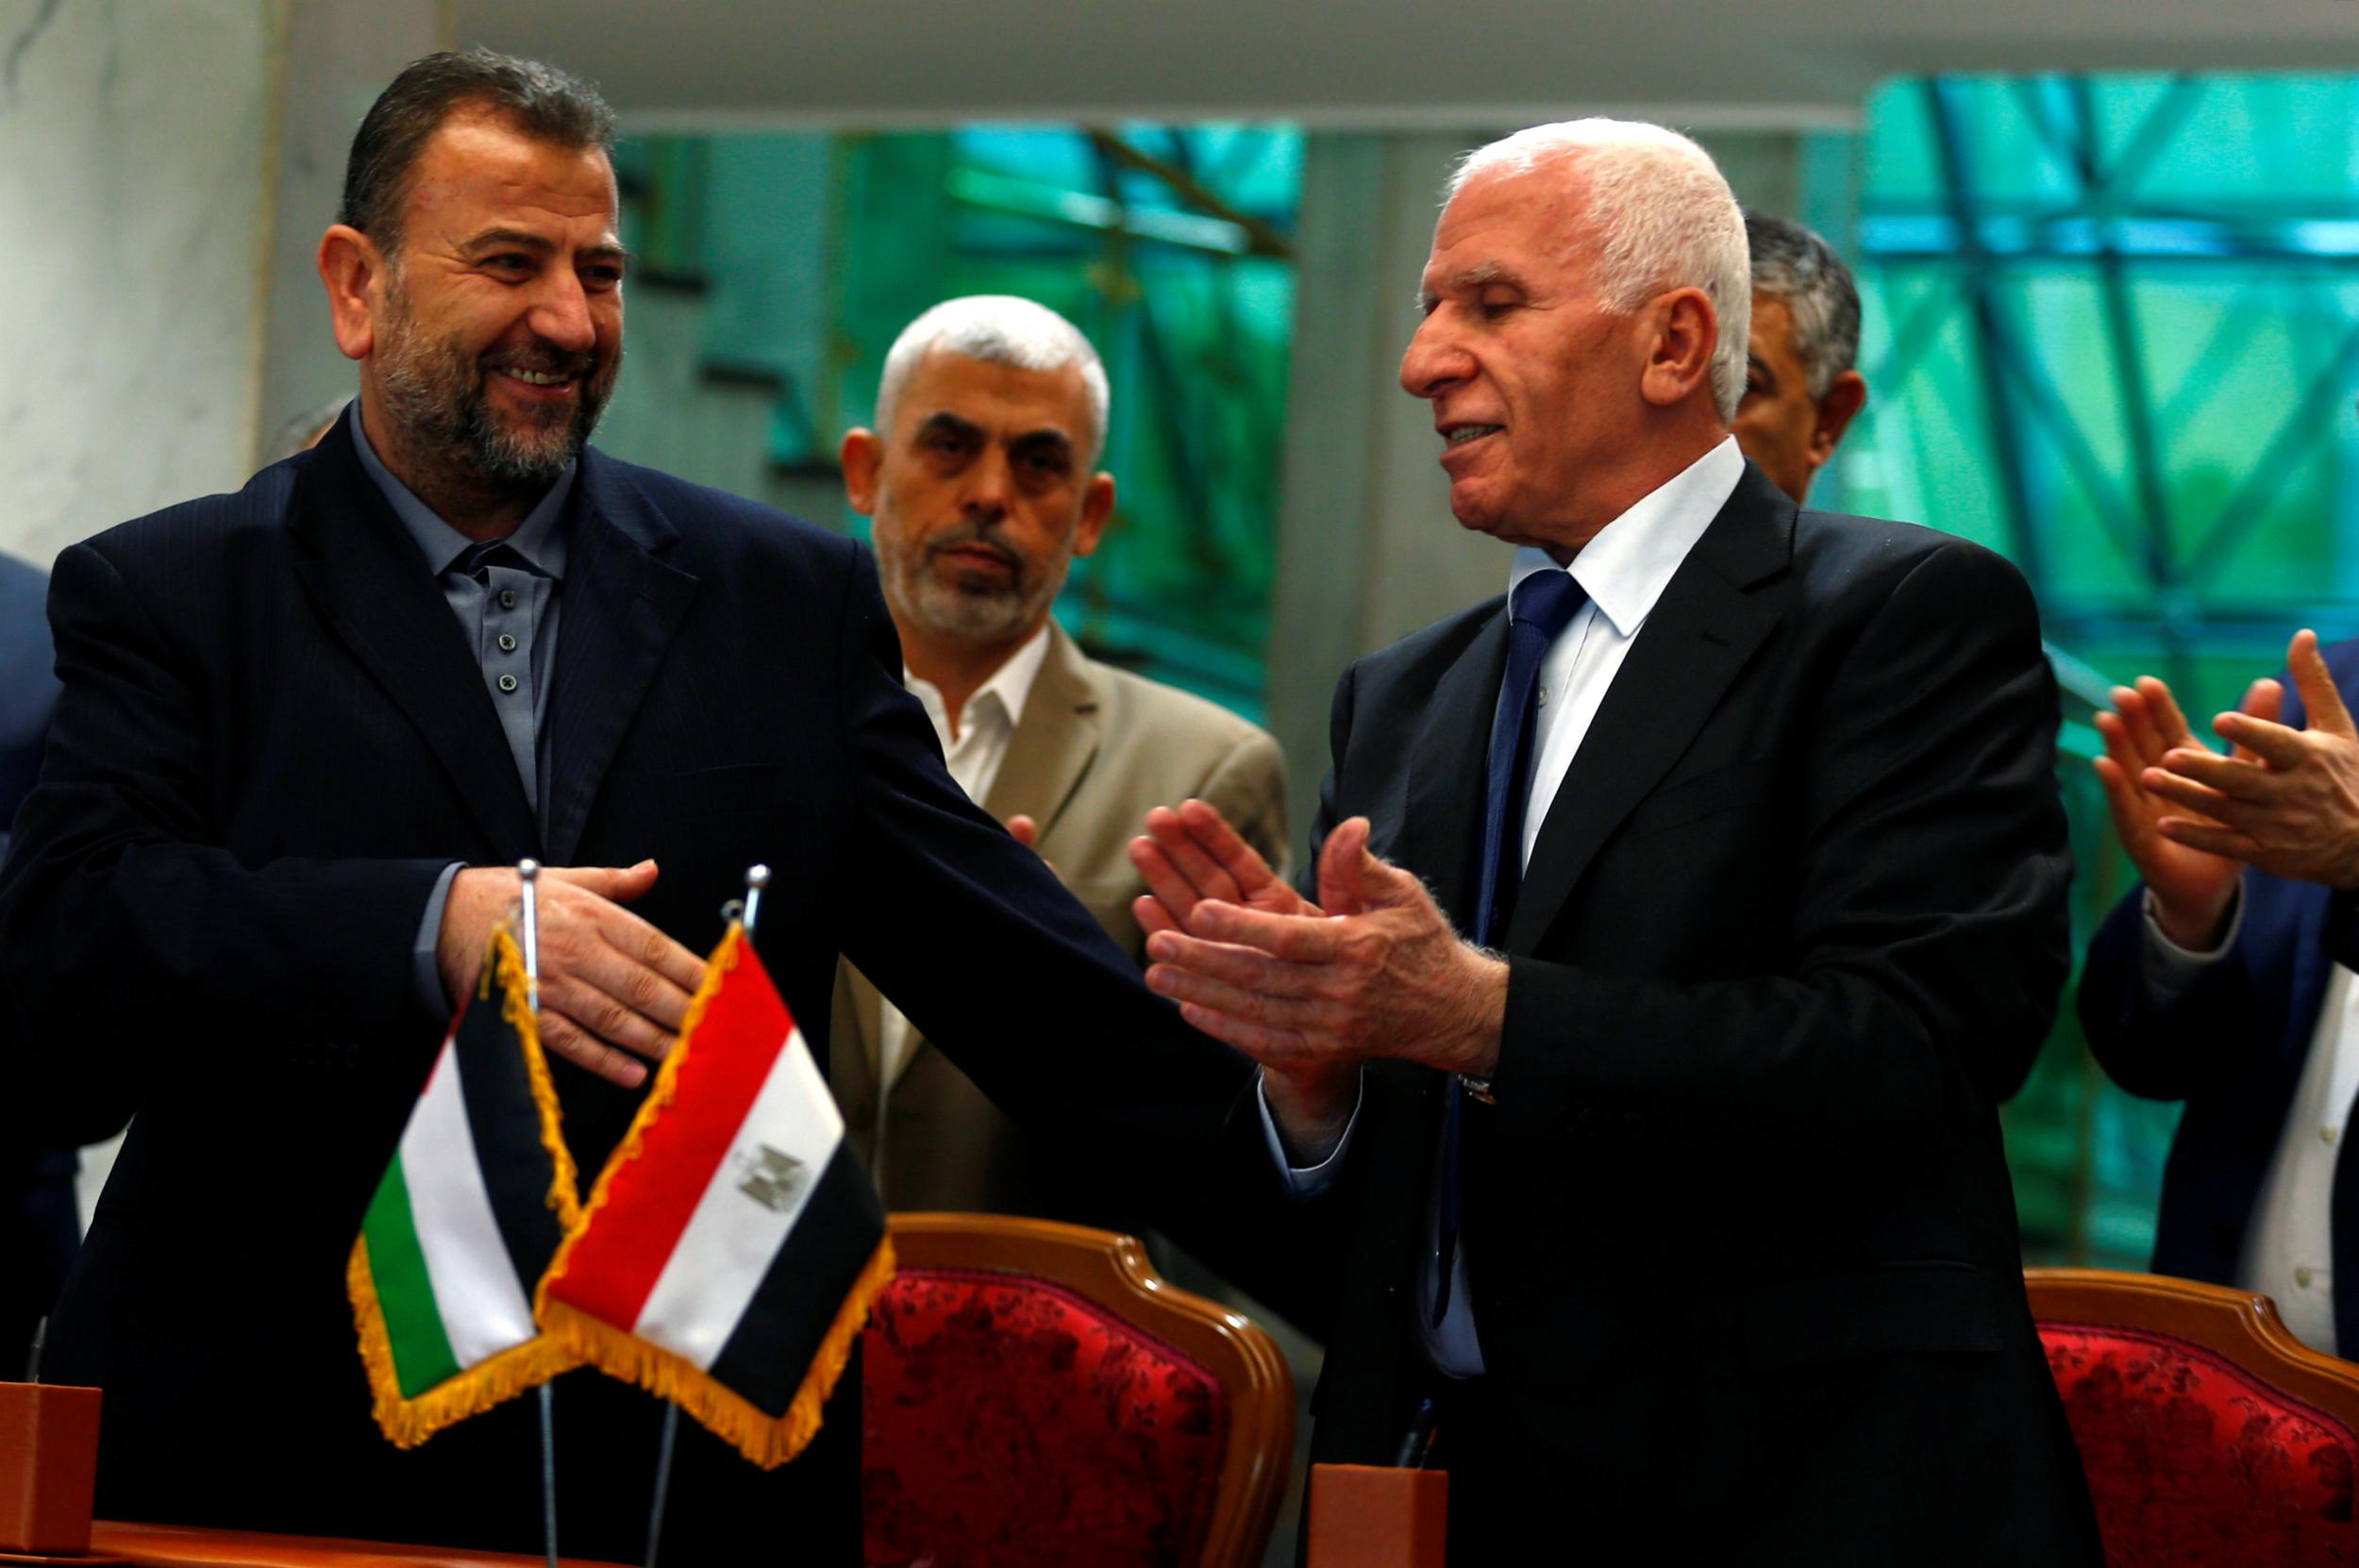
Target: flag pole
point(745, 913)
point(528, 879)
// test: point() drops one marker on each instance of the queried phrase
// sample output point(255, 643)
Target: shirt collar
point(538, 539)
point(1011, 683)
point(1627, 563)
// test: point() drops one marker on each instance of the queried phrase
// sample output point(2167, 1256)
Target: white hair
point(999, 330)
point(1659, 216)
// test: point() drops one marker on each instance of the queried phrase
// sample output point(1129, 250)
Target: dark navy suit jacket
point(272, 739)
point(2232, 1047)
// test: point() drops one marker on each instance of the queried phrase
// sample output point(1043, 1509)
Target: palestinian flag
point(479, 1193)
point(729, 1254)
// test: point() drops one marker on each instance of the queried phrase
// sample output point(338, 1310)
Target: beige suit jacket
point(1096, 749)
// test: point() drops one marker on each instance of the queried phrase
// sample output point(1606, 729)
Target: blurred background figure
point(38, 1232)
point(1801, 389)
point(982, 479)
point(2225, 979)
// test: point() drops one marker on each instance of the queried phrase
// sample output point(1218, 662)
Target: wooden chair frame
point(1112, 1271)
point(2241, 1325)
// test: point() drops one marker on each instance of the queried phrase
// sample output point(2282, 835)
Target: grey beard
point(438, 399)
point(986, 617)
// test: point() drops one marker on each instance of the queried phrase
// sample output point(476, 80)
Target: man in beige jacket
point(980, 476)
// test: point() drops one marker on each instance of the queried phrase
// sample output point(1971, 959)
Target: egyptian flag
point(728, 1256)
point(480, 1194)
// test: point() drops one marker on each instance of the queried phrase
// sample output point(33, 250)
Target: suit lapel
point(1700, 633)
point(379, 596)
point(1053, 744)
point(1441, 832)
point(622, 604)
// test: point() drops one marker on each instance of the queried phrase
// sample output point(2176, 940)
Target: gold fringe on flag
point(408, 1423)
point(768, 1440)
point(516, 1010)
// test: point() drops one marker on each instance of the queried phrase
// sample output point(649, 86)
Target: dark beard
point(440, 401)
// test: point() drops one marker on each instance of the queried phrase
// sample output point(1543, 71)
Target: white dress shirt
point(973, 748)
point(2289, 1245)
point(1623, 570)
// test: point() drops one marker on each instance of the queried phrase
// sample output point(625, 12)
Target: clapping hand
point(2288, 801)
point(1311, 991)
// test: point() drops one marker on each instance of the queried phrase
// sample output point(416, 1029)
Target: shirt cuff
point(426, 968)
point(1304, 1182)
point(2171, 971)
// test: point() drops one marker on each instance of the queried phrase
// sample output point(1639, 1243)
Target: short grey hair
point(999, 330)
point(1793, 264)
point(1664, 218)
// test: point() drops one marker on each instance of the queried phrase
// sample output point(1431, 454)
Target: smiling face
point(981, 496)
point(491, 338)
point(1535, 385)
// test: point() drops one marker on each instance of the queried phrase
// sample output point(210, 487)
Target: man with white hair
point(982, 478)
point(1666, 916)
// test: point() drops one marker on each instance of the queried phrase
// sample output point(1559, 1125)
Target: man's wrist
point(1486, 1016)
point(2195, 930)
point(1312, 1110)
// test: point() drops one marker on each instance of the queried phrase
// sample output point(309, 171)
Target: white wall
point(132, 173)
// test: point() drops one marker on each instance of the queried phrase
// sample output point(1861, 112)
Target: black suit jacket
point(273, 738)
point(1740, 1236)
point(2232, 1045)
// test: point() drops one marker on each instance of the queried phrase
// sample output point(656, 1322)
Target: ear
point(1682, 329)
point(862, 455)
point(353, 271)
point(1842, 403)
point(1097, 504)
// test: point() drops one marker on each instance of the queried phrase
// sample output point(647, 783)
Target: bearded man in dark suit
point(307, 731)
point(1665, 922)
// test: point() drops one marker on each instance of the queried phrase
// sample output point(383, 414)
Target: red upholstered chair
point(2209, 1435)
point(1032, 1393)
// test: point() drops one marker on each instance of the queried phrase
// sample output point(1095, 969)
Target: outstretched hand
point(612, 987)
point(2288, 801)
point(2191, 885)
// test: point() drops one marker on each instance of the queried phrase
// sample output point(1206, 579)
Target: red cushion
point(1009, 1421)
point(2195, 1462)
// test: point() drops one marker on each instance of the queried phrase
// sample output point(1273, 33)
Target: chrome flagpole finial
point(757, 879)
point(528, 876)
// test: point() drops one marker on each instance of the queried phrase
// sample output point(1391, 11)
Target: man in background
point(2225, 979)
point(37, 1226)
point(982, 479)
point(1801, 390)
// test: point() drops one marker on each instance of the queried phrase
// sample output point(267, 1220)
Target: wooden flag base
point(48, 1468)
point(1375, 1516)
